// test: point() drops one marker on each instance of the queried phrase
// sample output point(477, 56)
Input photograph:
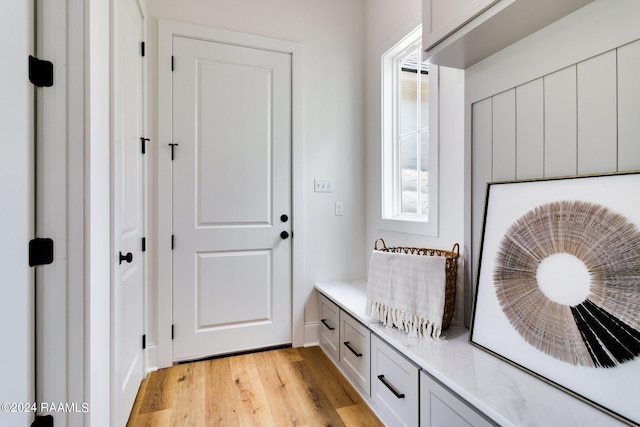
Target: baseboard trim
point(311, 334)
point(151, 358)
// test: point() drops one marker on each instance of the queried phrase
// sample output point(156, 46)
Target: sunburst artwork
point(566, 275)
point(558, 289)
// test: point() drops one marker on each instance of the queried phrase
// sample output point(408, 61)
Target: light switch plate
point(322, 185)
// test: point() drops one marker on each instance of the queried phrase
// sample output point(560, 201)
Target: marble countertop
point(504, 393)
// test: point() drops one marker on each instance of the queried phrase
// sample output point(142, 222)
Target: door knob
point(284, 235)
point(284, 218)
point(128, 257)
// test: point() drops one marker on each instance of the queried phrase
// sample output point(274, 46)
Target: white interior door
point(16, 214)
point(232, 186)
point(128, 304)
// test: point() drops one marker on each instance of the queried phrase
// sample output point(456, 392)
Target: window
point(409, 152)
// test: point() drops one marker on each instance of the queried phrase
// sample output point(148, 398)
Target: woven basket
point(451, 272)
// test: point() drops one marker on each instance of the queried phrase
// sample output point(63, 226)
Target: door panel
point(248, 91)
point(238, 276)
point(128, 193)
point(16, 214)
point(231, 177)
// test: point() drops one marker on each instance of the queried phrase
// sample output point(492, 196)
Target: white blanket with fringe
point(407, 292)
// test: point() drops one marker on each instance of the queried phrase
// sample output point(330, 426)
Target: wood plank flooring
point(286, 387)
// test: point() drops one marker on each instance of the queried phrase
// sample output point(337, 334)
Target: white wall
point(562, 102)
point(330, 33)
point(386, 24)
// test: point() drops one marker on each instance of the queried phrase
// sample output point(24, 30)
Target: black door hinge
point(43, 421)
point(40, 72)
point(144, 244)
point(172, 332)
point(172, 63)
point(144, 341)
point(173, 244)
point(173, 150)
point(40, 251)
point(142, 52)
point(143, 142)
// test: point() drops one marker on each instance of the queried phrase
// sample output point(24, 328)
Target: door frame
point(166, 31)
point(74, 117)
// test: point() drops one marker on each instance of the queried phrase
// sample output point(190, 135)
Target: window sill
point(410, 226)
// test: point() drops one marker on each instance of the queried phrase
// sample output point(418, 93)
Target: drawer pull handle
point(347, 344)
point(324, 322)
point(390, 387)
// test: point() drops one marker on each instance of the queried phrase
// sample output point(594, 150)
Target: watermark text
point(45, 407)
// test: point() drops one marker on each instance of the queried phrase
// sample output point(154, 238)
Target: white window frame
point(414, 224)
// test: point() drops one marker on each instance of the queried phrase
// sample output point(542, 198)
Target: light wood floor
point(286, 387)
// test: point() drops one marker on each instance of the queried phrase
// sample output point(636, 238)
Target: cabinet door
point(330, 327)
point(440, 408)
point(355, 351)
point(394, 384)
point(442, 17)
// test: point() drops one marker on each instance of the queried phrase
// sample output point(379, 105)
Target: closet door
point(16, 216)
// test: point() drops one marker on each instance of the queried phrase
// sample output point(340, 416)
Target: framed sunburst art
point(558, 289)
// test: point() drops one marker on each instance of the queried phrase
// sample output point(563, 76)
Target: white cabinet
point(329, 328)
point(440, 408)
point(355, 351)
point(460, 33)
point(347, 342)
point(395, 387)
point(443, 17)
point(394, 384)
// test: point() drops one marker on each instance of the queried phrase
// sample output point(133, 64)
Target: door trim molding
point(166, 31)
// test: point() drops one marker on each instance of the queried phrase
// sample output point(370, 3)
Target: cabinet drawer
point(394, 384)
point(441, 408)
point(355, 351)
point(330, 327)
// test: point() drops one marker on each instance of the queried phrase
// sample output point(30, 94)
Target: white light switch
point(339, 209)
point(322, 185)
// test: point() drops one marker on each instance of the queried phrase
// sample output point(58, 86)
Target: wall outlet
point(339, 209)
point(322, 185)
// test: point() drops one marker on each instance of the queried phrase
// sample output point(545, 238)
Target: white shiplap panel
point(560, 123)
point(629, 107)
point(597, 114)
point(530, 130)
point(504, 136)
point(481, 136)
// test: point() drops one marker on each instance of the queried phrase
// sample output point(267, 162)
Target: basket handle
point(456, 249)
point(375, 245)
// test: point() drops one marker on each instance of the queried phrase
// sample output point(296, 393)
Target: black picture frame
point(558, 285)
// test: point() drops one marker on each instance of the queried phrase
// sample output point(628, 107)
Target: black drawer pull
point(390, 387)
point(324, 322)
point(346, 343)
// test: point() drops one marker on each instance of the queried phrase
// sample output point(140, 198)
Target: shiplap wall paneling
point(482, 137)
point(597, 114)
point(560, 123)
point(504, 136)
point(629, 107)
point(481, 147)
point(530, 130)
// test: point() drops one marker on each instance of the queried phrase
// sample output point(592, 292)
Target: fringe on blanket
point(415, 326)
